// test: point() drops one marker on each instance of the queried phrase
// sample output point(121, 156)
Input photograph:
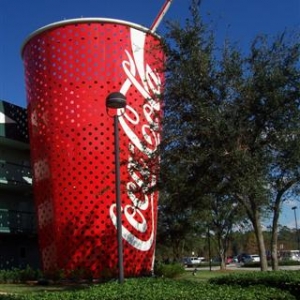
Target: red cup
point(70, 69)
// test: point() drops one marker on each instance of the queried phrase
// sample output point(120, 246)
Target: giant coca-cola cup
point(70, 68)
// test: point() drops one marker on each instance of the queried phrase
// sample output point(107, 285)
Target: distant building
point(18, 234)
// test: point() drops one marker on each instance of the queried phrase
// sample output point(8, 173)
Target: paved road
point(240, 267)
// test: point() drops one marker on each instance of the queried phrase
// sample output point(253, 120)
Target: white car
point(251, 258)
point(290, 255)
point(192, 261)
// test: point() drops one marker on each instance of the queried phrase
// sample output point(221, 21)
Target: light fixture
point(117, 100)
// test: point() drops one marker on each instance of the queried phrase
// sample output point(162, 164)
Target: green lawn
point(185, 287)
point(200, 276)
point(35, 288)
point(204, 275)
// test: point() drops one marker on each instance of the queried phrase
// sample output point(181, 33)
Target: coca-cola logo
point(147, 82)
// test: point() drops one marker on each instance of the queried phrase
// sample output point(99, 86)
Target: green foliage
point(29, 274)
point(159, 289)
point(252, 265)
point(283, 280)
point(281, 263)
point(19, 275)
point(289, 263)
point(9, 276)
point(231, 130)
point(169, 270)
point(55, 274)
point(80, 274)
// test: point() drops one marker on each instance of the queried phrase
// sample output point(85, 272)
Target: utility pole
point(294, 208)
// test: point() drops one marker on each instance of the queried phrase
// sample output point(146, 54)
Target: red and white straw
point(160, 15)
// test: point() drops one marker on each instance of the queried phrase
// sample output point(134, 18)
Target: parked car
point(192, 261)
point(235, 259)
point(252, 258)
point(293, 255)
point(202, 259)
point(216, 259)
point(229, 260)
point(241, 257)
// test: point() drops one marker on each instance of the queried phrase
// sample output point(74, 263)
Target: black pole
point(297, 233)
point(118, 201)
point(209, 250)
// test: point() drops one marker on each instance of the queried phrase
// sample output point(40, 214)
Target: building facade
point(18, 234)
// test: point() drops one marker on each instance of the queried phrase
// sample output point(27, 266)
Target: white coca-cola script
point(148, 83)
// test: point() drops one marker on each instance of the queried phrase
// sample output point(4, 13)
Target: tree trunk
point(222, 256)
point(221, 250)
point(223, 264)
point(276, 213)
point(274, 239)
point(260, 241)
point(177, 250)
point(253, 213)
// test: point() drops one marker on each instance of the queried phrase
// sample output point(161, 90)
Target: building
point(18, 234)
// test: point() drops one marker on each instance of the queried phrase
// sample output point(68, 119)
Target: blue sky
point(240, 20)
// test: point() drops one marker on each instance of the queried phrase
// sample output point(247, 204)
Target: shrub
point(169, 270)
point(19, 275)
point(252, 265)
point(55, 275)
point(283, 280)
point(29, 274)
point(79, 274)
point(159, 289)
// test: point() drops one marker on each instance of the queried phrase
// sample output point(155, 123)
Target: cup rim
point(84, 20)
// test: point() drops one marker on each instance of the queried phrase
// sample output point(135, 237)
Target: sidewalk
point(237, 266)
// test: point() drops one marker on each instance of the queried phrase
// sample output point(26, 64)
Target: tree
point(224, 215)
point(176, 226)
point(286, 238)
point(203, 137)
point(231, 121)
point(271, 95)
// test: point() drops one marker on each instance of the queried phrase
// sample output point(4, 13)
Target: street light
point(297, 233)
point(117, 100)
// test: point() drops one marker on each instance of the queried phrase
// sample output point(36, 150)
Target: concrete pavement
point(237, 266)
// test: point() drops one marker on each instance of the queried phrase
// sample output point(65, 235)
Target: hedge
point(159, 289)
point(283, 280)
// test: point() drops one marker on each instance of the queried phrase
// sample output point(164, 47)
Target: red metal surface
point(70, 70)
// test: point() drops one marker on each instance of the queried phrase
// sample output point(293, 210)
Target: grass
point(200, 276)
point(205, 275)
point(35, 288)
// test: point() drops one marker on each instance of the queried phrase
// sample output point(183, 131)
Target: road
point(237, 266)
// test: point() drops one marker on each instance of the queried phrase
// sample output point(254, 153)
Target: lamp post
point(117, 100)
point(209, 249)
point(297, 233)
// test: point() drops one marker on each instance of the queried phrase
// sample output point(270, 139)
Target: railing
point(15, 174)
point(13, 221)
